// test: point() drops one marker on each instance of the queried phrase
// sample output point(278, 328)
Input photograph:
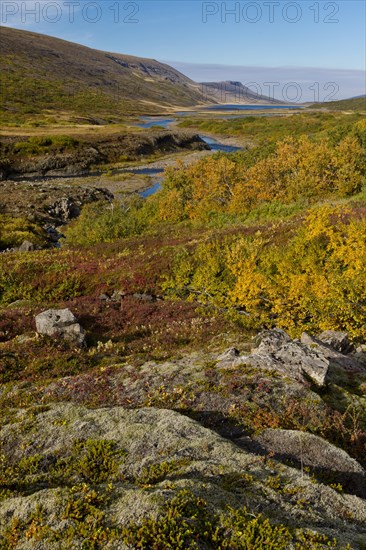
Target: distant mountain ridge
point(45, 77)
point(232, 91)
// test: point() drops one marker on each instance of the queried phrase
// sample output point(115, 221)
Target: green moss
point(83, 522)
point(316, 541)
point(185, 522)
point(158, 472)
point(37, 145)
point(242, 531)
point(92, 461)
point(188, 523)
point(20, 475)
point(235, 481)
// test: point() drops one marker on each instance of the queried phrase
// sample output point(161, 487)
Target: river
point(163, 122)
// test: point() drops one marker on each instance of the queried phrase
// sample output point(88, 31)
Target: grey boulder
point(26, 246)
point(61, 324)
point(278, 352)
point(336, 339)
point(325, 460)
point(337, 360)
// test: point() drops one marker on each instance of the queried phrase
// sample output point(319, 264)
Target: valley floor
point(209, 387)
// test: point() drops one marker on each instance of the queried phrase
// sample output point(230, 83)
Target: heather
point(174, 426)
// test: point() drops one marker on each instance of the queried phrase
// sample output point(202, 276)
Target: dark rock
point(55, 203)
point(230, 358)
point(100, 151)
point(53, 235)
point(228, 354)
point(144, 297)
point(118, 295)
point(4, 169)
point(65, 209)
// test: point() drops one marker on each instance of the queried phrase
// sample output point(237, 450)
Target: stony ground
point(249, 428)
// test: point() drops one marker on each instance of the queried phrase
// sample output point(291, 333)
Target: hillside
point(230, 91)
point(352, 104)
point(189, 371)
point(184, 367)
point(42, 74)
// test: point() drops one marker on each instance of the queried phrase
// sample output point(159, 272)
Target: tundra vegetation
point(272, 236)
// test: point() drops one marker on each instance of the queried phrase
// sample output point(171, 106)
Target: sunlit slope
point(40, 73)
point(353, 104)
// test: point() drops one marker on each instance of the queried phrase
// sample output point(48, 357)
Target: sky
point(304, 50)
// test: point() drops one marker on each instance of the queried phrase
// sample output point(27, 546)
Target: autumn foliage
point(302, 269)
point(298, 170)
point(312, 280)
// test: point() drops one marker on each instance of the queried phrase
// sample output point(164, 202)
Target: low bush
point(313, 281)
point(100, 223)
point(37, 145)
point(298, 172)
point(14, 231)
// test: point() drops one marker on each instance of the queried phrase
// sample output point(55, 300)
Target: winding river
point(163, 122)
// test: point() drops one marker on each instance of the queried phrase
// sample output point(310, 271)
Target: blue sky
point(318, 45)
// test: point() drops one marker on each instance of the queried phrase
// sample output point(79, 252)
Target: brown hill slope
point(41, 73)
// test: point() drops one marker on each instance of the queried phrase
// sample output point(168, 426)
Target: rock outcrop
point(85, 155)
point(337, 340)
point(49, 205)
point(308, 359)
point(337, 360)
point(161, 453)
point(315, 455)
point(26, 246)
point(61, 324)
point(246, 438)
point(277, 351)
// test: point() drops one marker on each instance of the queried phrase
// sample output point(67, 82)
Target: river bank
point(64, 155)
point(53, 199)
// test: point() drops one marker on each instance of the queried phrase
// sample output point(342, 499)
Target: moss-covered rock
point(106, 477)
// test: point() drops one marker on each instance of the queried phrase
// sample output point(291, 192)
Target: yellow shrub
point(298, 170)
point(314, 281)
